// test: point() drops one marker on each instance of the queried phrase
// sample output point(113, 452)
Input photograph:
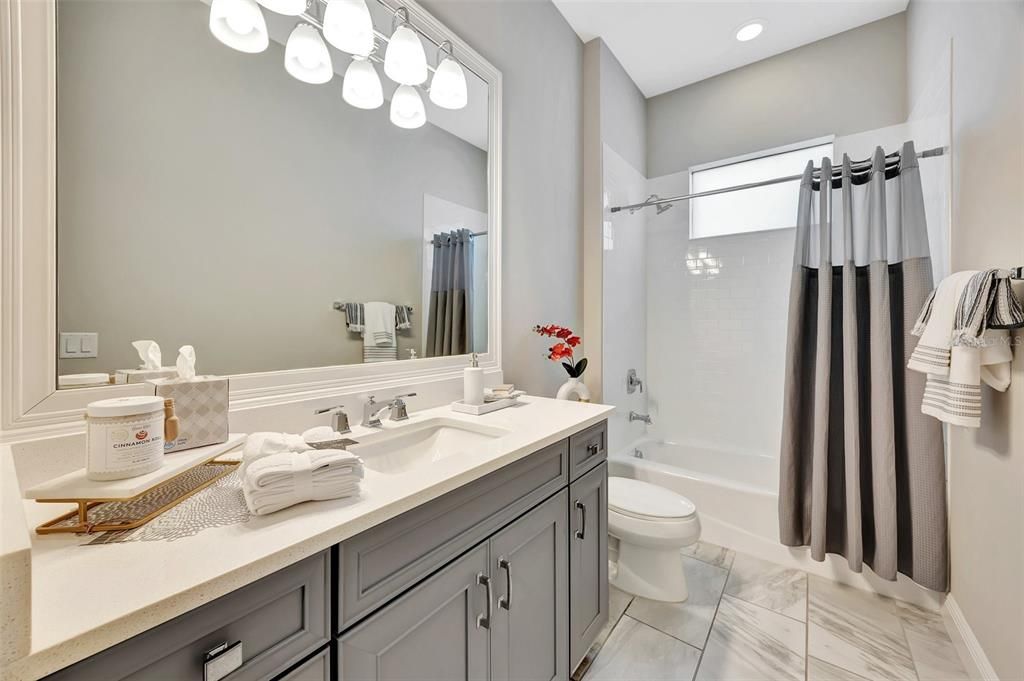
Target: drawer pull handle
point(484, 621)
point(582, 532)
point(593, 448)
point(222, 660)
point(506, 600)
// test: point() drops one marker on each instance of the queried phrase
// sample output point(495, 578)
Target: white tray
point(76, 485)
point(485, 408)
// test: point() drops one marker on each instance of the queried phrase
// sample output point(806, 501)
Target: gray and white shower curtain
point(862, 471)
point(449, 323)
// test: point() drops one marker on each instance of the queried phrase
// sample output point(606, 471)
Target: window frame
point(743, 158)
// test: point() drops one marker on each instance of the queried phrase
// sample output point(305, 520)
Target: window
point(751, 210)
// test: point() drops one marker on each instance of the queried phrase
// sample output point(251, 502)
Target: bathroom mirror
point(210, 196)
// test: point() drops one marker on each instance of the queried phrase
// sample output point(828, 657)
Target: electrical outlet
point(78, 345)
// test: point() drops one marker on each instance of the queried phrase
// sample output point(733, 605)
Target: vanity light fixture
point(239, 24)
point(348, 26)
point(291, 8)
point(448, 86)
point(405, 62)
point(407, 108)
point(306, 56)
point(361, 87)
point(749, 31)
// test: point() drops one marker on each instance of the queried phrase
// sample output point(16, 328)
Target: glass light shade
point(362, 88)
point(407, 108)
point(448, 86)
point(289, 8)
point(348, 26)
point(404, 61)
point(306, 56)
point(239, 24)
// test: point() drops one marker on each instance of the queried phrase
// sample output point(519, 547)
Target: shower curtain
point(449, 323)
point(862, 469)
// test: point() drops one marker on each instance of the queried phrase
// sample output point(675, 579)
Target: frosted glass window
point(750, 210)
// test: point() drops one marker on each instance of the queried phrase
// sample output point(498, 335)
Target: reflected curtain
point(449, 322)
point(862, 469)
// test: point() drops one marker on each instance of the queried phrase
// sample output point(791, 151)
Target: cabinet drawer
point(279, 620)
point(379, 563)
point(316, 668)
point(587, 448)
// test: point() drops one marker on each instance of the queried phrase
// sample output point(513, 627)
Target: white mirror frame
point(30, 405)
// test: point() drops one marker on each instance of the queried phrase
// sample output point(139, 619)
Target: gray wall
point(623, 111)
point(986, 477)
point(846, 83)
point(541, 61)
point(207, 197)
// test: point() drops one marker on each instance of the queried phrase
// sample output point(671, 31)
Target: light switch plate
point(76, 345)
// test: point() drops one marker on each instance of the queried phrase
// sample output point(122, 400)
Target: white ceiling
point(666, 44)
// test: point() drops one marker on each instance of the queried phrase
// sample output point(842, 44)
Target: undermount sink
point(401, 449)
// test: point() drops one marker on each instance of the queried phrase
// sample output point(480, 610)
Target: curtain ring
point(396, 22)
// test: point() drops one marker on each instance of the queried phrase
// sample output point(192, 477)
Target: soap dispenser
point(473, 383)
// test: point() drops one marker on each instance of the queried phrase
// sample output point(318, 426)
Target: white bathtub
point(736, 495)
point(733, 491)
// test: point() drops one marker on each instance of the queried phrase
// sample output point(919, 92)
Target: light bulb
point(407, 108)
point(362, 88)
point(448, 86)
point(348, 26)
point(404, 61)
point(289, 8)
point(306, 57)
point(239, 24)
point(749, 31)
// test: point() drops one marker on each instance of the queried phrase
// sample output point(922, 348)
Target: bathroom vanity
point(503, 576)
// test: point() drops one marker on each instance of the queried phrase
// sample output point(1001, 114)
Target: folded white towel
point(263, 444)
point(380, 324)
point(955, 372)
point(278, 481)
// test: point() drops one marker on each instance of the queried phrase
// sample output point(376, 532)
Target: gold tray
point(113, 515)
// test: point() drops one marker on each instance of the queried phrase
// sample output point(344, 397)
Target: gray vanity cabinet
point(529, 569)
point(588, 561)
point(435, 632)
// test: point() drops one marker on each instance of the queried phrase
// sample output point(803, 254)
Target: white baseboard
point(967, 646)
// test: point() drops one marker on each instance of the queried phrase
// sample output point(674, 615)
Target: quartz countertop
point(86, 598)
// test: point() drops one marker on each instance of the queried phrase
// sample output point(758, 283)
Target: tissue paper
point(149, 354)
point(186, 363)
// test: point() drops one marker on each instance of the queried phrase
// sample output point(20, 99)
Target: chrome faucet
point(633, 416)
point(372, 410)
point(339, 419)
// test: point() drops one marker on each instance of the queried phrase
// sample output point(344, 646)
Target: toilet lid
point(638, 498)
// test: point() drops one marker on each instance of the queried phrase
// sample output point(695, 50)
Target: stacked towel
point(260, 445)
point(278, 481)
point(379, 335)
point(964, 342)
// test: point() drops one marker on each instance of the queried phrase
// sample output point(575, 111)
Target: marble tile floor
point(751, 620)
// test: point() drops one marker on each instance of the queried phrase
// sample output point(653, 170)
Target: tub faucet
point(633, 416)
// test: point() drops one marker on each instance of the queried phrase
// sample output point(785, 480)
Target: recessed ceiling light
point(749, 31)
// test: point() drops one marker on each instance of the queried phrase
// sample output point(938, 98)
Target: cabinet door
point(588, 561)
point(433, 632)
point(529, 566)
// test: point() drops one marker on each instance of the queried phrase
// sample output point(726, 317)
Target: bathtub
point(736, 495)
point(735, 492)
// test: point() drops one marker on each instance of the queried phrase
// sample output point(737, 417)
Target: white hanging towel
point(278, 481)
point(379, 343)
point(955, 372)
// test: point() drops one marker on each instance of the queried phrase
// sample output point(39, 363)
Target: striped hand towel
point(403, 317)
point(354, 317)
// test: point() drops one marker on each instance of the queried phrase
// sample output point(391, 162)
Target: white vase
point(574, 388)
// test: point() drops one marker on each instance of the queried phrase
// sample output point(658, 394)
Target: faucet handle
point(340, 419)
point(399, 398)
point(338, 408)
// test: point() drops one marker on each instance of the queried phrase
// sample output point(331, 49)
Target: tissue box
point(123, 376)
point(201, 405)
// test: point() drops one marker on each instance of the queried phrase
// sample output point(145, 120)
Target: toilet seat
point(644, 501)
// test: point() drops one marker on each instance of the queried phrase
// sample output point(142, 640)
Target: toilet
point(651, 524)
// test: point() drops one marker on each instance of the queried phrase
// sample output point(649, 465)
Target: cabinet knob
point(593, 448)
point(222, 660)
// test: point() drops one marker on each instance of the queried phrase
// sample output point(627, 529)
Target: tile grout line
point(721, 595)
point(807, 629)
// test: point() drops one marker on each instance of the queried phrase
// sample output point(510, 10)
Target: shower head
point(661, 207)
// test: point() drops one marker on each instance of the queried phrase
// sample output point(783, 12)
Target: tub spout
point(633, 416)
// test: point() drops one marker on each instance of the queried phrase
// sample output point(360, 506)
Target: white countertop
point(88, 598)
